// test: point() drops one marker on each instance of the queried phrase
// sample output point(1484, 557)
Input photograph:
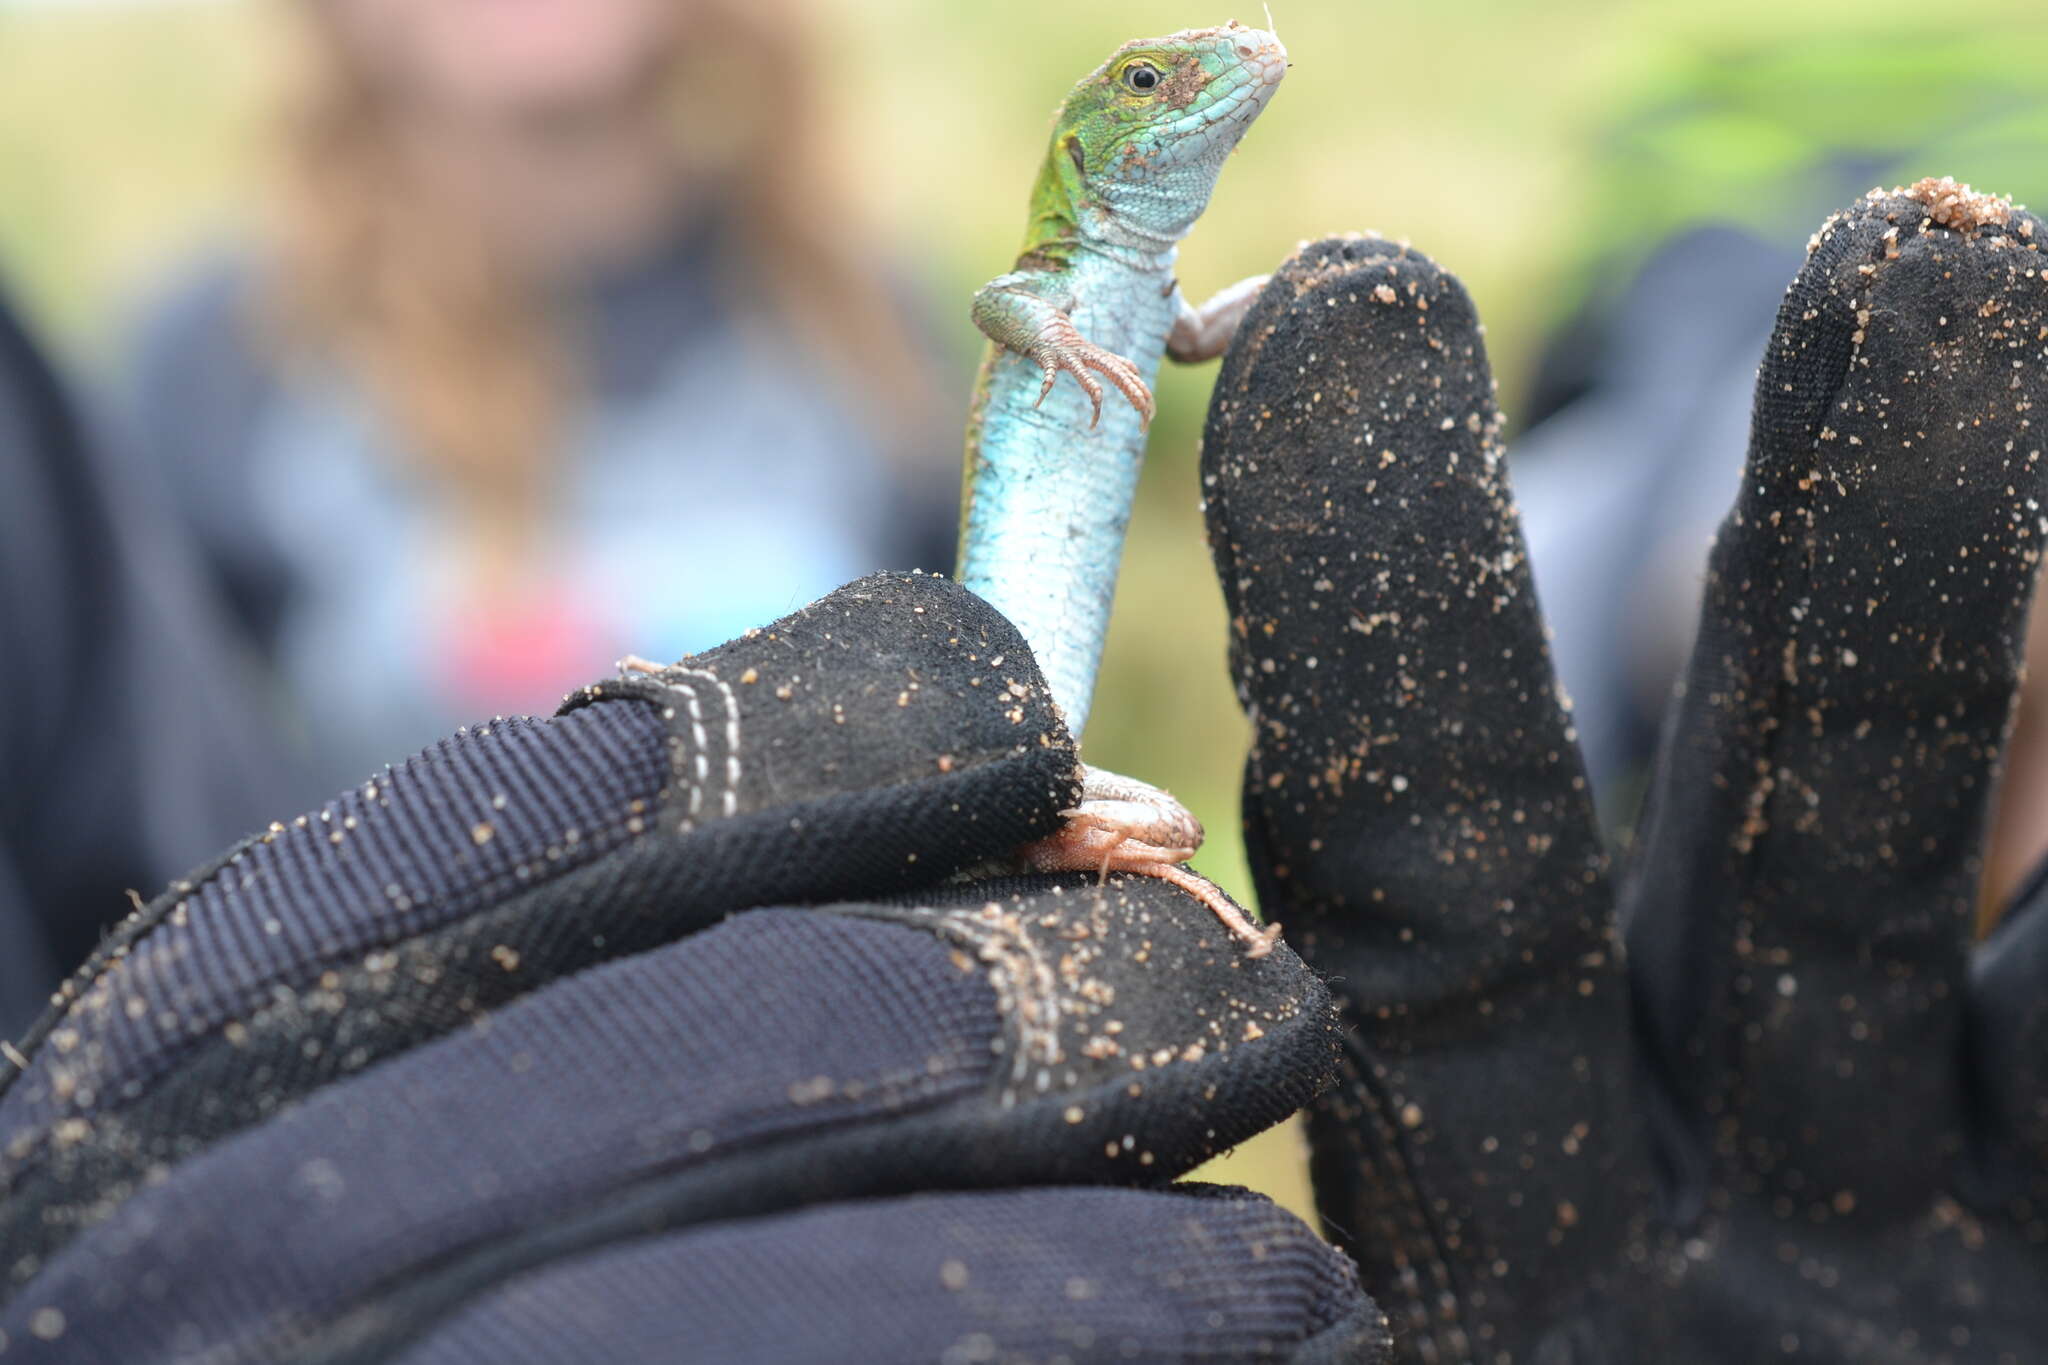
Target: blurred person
point(129, 732)
point(563, 342)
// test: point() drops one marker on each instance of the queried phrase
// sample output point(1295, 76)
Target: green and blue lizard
point(1052, 468)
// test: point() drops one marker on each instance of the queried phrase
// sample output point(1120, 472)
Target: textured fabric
point(1802, 1120)
point(477, 1025)
point(469, 1139)
point(1806, 976)
point(936, 1278)
point(429, 841)
point(1416, 804)
point(560, 844)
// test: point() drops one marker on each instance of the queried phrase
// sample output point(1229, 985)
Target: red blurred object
point(516, 656)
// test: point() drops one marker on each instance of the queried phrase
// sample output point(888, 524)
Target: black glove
point(447, 1074)
point(472, 1065)
point(1804, 1120)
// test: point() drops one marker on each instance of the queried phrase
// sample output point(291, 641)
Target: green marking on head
point(1139, 142)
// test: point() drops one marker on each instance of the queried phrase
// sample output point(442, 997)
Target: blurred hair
point(457, 343)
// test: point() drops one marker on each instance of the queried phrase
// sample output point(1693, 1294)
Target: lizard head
point(1142, 138)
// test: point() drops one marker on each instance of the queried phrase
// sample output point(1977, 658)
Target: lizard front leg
point(1017, 319)
point(1203, 333)
point(1124, 825)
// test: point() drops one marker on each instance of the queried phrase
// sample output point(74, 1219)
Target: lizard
point(1051, 471)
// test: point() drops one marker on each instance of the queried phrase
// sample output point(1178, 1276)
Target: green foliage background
point(1528, 147)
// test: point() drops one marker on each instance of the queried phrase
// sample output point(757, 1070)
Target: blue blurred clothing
point(129, 733)
point(1622, 486)
point(715, 477)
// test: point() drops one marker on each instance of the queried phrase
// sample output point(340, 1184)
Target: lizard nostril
point(1247, 51)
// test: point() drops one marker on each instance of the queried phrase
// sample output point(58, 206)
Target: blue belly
point(1049, 500)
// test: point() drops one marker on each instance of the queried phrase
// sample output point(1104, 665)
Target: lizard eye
point(1141, 77)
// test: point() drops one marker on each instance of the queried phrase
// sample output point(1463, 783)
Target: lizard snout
point(1262, 50)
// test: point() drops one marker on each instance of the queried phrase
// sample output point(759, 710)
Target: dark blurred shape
point(128, 732)
point(1622, 487)
point(1638, 411)
point(565, 342)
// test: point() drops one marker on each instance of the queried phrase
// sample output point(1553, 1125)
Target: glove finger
point(1073, 1274)
point(886, 736)
point(1415, 807)
point(1041, 1275)
point(1114, 1034)
point(1799, 913)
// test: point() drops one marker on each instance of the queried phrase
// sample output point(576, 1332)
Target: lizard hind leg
point(1123, 825)
point(1258, 941)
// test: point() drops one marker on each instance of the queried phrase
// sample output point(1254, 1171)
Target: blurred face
point(497, 58)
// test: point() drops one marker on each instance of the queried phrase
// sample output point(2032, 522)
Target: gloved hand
point(536, 1119)
point(1804, 1119)
point(472, 1065)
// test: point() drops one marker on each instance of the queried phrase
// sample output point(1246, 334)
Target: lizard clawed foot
point(1076, 355)
point(1123, 825)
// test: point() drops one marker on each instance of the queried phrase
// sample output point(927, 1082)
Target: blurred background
point(414, 342)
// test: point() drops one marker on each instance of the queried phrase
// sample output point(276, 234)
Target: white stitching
point(732, 733)
point(702, 763)
point(669, 678)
